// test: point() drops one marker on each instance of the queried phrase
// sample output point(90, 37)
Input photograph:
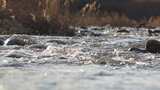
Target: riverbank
point(54, 17)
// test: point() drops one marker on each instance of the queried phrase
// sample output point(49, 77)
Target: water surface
point(98, 59)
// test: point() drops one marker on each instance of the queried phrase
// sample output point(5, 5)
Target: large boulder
point(153, 46)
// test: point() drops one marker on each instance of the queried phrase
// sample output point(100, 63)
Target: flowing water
point(96, 58)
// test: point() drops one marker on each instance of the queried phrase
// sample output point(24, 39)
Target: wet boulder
point(19, 40)
point(16, 42)
point(153, 46)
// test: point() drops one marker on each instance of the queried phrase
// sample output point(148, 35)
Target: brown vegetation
point(154, 21)
point(54, 16)
point(116, 20)
point(34, 17)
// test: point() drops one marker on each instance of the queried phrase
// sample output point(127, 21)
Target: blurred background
point(59, 14)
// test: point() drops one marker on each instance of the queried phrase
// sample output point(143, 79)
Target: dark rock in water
point(153, 46)
point(16, 42)
point(83, 27)
point(149, 32)
point(2, 39)
point(19, 40)
point(98, 28)
point(122, 31)
point(153, 32)
point(1, 42)
point(138, 50)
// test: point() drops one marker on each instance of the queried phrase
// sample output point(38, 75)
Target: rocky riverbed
point(96, 58)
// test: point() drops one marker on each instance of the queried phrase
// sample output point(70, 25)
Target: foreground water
point(97, 58)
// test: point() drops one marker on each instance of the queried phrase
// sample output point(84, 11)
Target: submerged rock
point(17, 54)
point(138, 50)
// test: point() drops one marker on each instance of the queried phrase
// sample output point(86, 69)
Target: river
point(96, 58)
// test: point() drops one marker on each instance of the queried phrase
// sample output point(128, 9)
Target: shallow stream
point(96, 58)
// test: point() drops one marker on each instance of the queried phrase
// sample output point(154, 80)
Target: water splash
point(6, 41)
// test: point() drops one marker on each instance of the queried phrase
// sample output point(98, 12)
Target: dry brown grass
point(154, 21)
point(114, 20)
